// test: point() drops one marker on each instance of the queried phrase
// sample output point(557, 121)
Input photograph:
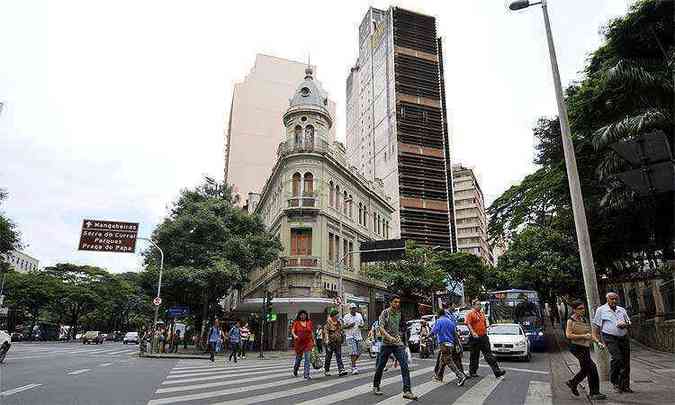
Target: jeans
point(619, 366)
point(383, 357)
point(244, 347)
point(482, 344)
point(337, 349)
point(586, 368)
point(212, 349)
point(298, 358)
point(234, 350)
point(448, 356)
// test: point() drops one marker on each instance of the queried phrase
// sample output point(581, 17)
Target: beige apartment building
point(470, 216)
point(21, 262)
point(321, 209)
point(255, 124)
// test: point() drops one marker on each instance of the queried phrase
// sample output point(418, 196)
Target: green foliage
point(415, 274)
point(626, 91)
point(10, 238)
point(467, 269)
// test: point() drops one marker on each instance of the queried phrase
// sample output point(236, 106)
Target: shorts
point(354, 346)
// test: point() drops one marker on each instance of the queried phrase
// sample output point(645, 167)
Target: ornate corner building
point(320, 208)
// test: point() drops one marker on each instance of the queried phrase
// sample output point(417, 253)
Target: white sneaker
point(355, 370)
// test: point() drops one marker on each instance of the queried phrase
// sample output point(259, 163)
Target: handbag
point(315, 359)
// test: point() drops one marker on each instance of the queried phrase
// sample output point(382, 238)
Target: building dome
point(309, 97)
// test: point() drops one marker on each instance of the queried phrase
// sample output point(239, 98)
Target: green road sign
point(271, 317)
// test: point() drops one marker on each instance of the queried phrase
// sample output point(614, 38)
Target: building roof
point(309, 94)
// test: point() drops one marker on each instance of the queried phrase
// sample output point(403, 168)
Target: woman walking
point(234, 338)
point(245, 337)
point(303, 342)
point(332, 336)
point(215, 335)
point(578, 331)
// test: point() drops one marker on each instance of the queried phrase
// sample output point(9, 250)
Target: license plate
point(503, 350)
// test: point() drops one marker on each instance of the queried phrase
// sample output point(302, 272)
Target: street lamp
point(159, 288)
point(585, 252)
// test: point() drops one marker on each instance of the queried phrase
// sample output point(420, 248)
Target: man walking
point(353, 322)
point(456, 354)
point(215, 335)
point(445, 329)
point(389, 324)
point(480, 342)
point(613, 322)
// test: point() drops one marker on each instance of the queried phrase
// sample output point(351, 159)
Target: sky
point(111, 107)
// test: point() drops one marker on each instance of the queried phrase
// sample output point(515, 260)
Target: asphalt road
point(112, 374)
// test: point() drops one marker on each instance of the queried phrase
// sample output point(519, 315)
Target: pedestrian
point(176, 341)
point(578, 331)
point(353, 322)
point(332, 337)
point(318, 336)
point(215, 336)
point(563, 313)
point(554, 315)
point(613, 322)
point(234, 339)
point(302, 331)
point(456, 354)
point(445, 329)
point(245, 339)
point(390, 328)
point(480, 342)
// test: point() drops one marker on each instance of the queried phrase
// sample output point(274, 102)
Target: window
point(301, 242)
point(331, 248)
point(345, 251)
point(360, 214)
point(298, 135)
point(351, 257)
point(337, 198)
point(296, 185)
point(337, 248)
point(309, 185)
point(346, 203)
point(351, 202)
point(331, 198)
point(309, 136)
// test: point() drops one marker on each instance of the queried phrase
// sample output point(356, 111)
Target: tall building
point(397, 122)
point(321, 209)
point(470, 214)
point(255, 126)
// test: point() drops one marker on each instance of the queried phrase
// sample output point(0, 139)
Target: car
point(130, 337)
point(509, 340)
point(93, 336)
point(464, 336)
point(5, 344)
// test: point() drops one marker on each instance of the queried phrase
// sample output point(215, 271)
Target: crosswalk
point(271, 382)
point(26, 352)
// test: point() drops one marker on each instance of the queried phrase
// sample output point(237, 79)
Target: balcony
point(301, 262)
point(307, 201)
point(288, 148)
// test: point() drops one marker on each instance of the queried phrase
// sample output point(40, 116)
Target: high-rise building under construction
point(397, 128)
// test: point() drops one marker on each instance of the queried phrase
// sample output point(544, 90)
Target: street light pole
point(580, 223)
point(337, 249)
point(159, 288)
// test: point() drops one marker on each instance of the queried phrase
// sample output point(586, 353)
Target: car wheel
point(528, 357)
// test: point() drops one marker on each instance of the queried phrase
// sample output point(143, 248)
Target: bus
point(522, 307)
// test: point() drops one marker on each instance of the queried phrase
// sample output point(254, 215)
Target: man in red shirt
point(480, 342)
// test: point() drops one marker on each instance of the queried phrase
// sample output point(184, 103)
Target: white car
point(509, 339)
point(5, 344)
point(130, 337)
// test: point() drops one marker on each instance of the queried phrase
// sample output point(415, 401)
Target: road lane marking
point(84, 370)
point(419, 391)
point(19, 389)
point(105, 364)
point(479, 392)
point(523, 370)
point(539, 393)
point(121, 351)
point(361, 389)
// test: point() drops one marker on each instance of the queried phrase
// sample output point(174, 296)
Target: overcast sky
point(111, 107)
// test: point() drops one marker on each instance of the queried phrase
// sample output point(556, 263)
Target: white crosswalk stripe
point(258, 381)
point(19, 389)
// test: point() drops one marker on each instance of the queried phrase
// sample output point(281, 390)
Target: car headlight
point(540, 334)
point(521, 343)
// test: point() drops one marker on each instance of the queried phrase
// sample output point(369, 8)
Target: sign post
point(108, 236)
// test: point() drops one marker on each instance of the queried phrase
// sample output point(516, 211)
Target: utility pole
point(159, 289)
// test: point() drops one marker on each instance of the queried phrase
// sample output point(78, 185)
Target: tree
point(467, 269)
point(415, 274)
point(30, 292)
point(209, 247)
point(10, 238)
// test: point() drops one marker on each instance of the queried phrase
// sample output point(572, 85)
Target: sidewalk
point(652, 375)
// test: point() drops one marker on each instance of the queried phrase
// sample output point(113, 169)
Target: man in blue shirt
point(444, 329)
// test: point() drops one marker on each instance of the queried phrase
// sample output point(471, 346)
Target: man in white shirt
point(353, 321)
point(613, 322)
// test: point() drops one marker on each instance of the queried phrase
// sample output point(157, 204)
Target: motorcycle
point(5, 344)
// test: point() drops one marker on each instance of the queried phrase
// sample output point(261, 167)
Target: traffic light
point(268, 302)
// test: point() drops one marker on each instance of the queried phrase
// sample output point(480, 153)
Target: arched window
point(346, 203)
point(331, 197)
point(360, 213)
point(351, 202)
point(309, 136)
point(296, 185)
point(337, 198)
point(309, 184)
point(374, 222)
point(298, 135)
